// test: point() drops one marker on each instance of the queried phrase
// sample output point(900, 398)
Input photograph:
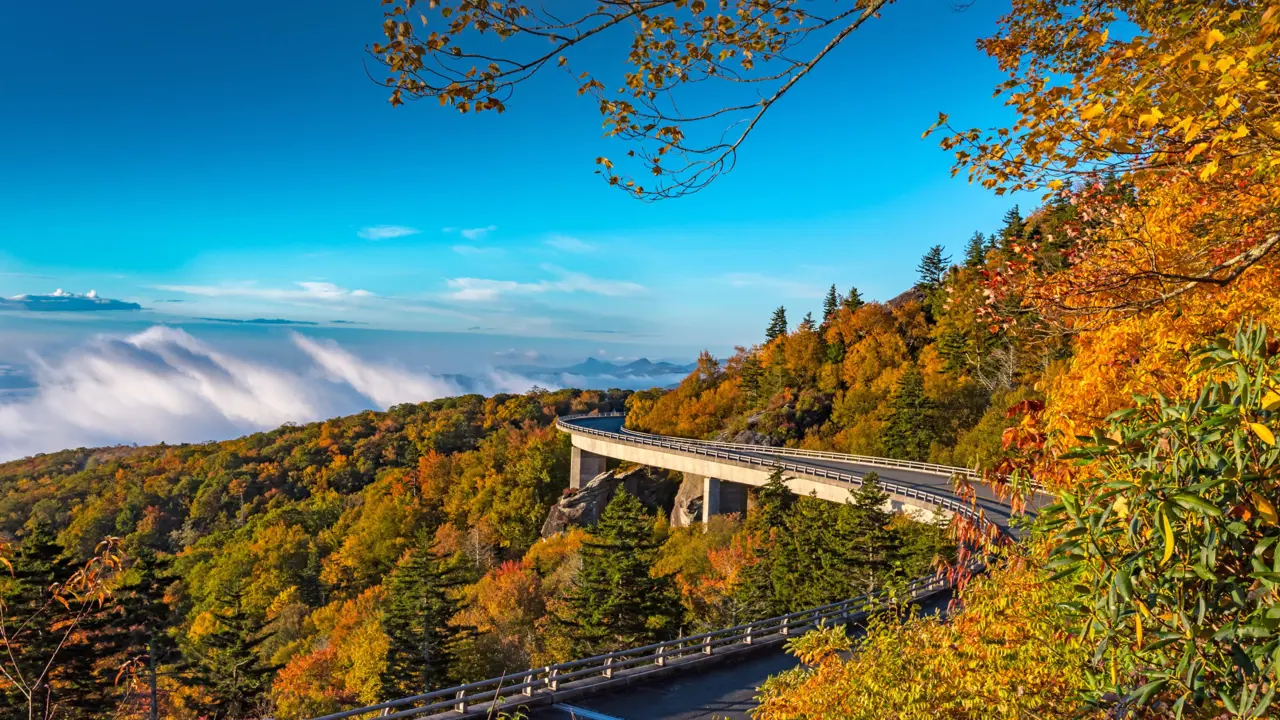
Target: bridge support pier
point(720, 497)
point(584, 467)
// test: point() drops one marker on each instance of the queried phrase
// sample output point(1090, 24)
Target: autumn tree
point(422, 599)
point(680, 134)
point(777, 325)
point(1177, 104)
point(616, 600)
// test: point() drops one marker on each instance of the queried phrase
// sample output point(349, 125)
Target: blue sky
point(233, 160)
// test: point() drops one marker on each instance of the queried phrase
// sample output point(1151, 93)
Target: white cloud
point(486, 290)
point(302, 291)
point(475, 233)
point(514, 354)
point(386, 232)
point(473, 250)
point(569, 244)
point(163, 385)
point(385, 385)
point(776, 284)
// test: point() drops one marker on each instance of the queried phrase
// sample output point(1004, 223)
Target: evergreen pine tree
point(147, 616)
point(754, 593)
point(615, 601)
point(807, 323)
point(912, 422)
point(975, 253)
point(228, 665)
point(751, 373)
point(55, 649)
point(773, 501)
point(870, 550)
point(933, 268)
point(421, 600)
point(1014, 228)
point(777, 325)
point(830, 305)
point(853, 300)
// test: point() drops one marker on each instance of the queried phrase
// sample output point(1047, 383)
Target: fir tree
point(867, 524)
point(1014, 228)
point(615, 601)
point(853, 300)
point(933, 268)
point(421, 600)
point(773, 501)
point(911, 426)
point(228, 663)
point(807, 324)
point(58, 651)
point(777, 325)
point(146, 617)
point(751, 373)
point(975, 253)
point(830, 305)
point(754, 593)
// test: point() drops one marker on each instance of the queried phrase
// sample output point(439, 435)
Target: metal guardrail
point(871, 460)
point(512, 691)
point(496, 694)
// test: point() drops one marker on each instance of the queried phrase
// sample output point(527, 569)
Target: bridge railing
point(511, 691)
point(872, 460)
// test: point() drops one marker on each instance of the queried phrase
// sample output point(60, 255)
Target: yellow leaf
point(1209, 170)
point(1137, 626)
point(1263, 432)
point(1214, 37)
point(1265, 509)
point(1271, 401)
point(1092, 112)
point(1168, 539)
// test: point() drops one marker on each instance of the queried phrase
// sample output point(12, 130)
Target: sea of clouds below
point(163, 385)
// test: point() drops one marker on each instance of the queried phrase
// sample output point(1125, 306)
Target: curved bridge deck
point(829, 475)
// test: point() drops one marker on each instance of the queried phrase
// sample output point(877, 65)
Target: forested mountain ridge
point(316, 558)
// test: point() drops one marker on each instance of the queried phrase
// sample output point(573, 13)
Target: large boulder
point(687, 509)
point(584, 507)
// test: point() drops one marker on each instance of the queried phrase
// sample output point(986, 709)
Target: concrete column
point(733, 498)
point(721, 497)
point(584, 467)
point(710, 498)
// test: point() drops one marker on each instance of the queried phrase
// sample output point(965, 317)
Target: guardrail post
point(706, 645)
point(608, 668)
point(528, 684)
point(661, 658)
point(461, 705)
point(552, 685)
point(786, 626)
point(747, 640)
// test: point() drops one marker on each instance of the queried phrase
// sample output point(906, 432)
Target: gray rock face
point(584, 507)
point(751, 437)
point(687, 509)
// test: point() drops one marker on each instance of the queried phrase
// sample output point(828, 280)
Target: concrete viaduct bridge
point(726, 470)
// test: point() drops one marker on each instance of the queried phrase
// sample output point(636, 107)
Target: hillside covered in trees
point(317, 567)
